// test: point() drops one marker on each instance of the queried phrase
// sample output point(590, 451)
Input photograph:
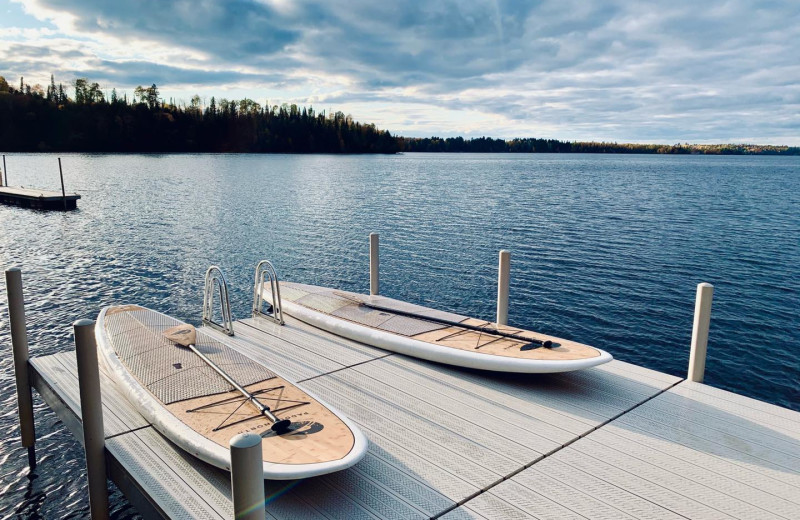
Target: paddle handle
point(265, 411)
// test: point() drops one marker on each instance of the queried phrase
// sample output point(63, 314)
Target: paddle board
point(194, 407)
point(432, 334)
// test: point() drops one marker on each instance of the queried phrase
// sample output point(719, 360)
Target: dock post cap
point(13, 269)
point(245, 440)
point(84, 323)
point(705, 284)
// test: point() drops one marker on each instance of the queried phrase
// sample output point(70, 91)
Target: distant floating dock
point(38, 199)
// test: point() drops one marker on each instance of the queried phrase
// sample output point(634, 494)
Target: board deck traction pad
point(345, 305)
point(169, 372)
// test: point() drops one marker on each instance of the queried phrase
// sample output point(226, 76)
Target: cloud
point(569, 69)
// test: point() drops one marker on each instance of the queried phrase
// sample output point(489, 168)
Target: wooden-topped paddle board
point(191, 404)
point(431, 334)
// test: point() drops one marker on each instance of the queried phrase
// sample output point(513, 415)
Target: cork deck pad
point(426, 336)
point(195, 407)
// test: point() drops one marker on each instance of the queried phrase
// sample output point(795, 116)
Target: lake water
point(606, 250)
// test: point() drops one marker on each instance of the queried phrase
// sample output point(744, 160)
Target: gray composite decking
point(616, 441)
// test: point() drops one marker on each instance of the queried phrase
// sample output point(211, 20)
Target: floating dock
point(38, 199)
point(615, 441)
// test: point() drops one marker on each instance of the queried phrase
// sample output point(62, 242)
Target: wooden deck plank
point(534, 502)
point(709, 446)
point(639, 373)
point(337, 348)
point(616, 385)
point(576, 483)
point(697, 472)
point(60, 371)
point(570, 497)
point(448, 480)
point(483, 387)
point(411, 489)
point(404, 377)
point(556, 394)
point(462, 513)
point(379, 501)
point(741, 473)
point(743, 401)
point(457, 455)
point(677, 411)
point(786, 426)
point(750, 449)
point(491, 506)
point(626, 478)
point(494, 436)
point(649, 466)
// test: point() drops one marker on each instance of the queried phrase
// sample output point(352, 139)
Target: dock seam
point(129, 431)
point(528, 465)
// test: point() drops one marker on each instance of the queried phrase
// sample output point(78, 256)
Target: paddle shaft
point(451, 323)
point(265, 411)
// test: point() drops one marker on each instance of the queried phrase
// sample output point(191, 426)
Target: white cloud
point(614, 70)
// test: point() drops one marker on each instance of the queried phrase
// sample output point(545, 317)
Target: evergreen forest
point(50, 120)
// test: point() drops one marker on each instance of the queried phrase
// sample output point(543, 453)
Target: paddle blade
point(183, 335)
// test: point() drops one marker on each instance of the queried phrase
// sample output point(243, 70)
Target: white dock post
point(92, 417)
point(503, 279)
point(373, 264)
point(702, 321)
point(19, 344)
point(247, 477)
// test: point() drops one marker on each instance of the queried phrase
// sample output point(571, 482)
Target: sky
point(627, 71)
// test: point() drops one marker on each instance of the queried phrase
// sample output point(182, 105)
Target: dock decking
point(38, 199)
point(616, 441)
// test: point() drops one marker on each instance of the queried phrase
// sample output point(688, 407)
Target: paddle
point(186, 336)
point(487, 330)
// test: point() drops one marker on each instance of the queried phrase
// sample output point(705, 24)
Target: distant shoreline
point(33, 120)
point(533, 145)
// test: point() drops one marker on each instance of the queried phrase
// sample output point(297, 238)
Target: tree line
point(36, 118)
point(33, 118)
point(533, 145)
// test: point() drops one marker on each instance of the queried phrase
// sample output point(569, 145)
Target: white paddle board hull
point(187, 438)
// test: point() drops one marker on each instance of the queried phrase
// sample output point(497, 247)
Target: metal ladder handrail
point(265, 269)
point(215, 279)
